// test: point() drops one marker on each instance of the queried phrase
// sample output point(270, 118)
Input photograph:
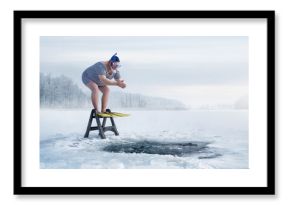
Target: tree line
point(60, 92)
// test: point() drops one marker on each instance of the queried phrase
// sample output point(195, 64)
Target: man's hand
point(121, 83)
point(118, 82)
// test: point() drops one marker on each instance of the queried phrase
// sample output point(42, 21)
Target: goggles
point(116, 65)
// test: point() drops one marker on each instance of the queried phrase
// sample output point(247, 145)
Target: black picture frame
point(19, 189)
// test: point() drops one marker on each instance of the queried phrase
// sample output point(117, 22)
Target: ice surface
point(147, 140)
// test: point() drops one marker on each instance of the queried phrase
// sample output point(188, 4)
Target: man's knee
point(105, 89)
point(93, 87)
point(95, 90)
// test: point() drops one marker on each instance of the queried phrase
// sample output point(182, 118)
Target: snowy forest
point(62, 92)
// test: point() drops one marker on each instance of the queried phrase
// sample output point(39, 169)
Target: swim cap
point(115, 58)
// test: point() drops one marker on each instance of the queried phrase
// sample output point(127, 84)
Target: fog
point(195, 70)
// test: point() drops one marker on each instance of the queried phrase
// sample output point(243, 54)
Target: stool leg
point(114, 126)
point(89, 125)
point(104, 122)
point(101, 131)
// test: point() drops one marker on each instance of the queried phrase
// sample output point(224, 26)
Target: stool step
point(109, 128)
point(94, 128)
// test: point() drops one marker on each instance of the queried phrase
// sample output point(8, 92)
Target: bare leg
point(94, 95)
point(105, 98)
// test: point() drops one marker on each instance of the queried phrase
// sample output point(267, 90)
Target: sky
point(196, 70)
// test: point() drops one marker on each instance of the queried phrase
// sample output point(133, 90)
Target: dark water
point(162, 148)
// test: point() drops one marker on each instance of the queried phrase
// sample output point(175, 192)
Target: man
point(99, 76)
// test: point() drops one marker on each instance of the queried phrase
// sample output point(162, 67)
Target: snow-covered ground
point(195, 139)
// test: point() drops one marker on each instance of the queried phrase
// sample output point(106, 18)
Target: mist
point(176, 67)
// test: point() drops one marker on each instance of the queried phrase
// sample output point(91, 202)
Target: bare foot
point(97, 111)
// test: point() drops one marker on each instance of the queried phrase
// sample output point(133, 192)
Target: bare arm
point(121, 83)
point(107, 81)
point(118, 82)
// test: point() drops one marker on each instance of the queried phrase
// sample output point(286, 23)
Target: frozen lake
point(196, 139)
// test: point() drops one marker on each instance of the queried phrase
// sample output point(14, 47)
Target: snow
point(195, 139)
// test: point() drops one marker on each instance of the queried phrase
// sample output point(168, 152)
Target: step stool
point(101, 126)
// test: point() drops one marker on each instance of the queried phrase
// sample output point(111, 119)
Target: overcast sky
point(194, 70)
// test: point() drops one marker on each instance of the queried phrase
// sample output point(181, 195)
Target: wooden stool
point(101, 126)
